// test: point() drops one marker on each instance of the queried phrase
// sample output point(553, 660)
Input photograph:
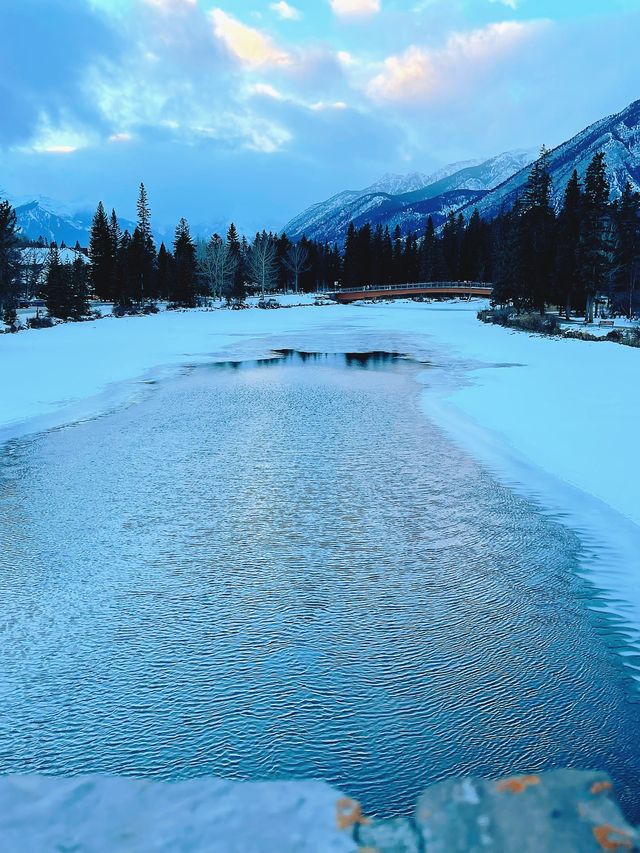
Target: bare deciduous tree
point(217, 264)
point(297, 262)
point(262, 262)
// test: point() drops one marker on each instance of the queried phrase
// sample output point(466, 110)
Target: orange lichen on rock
point(349, 813)
point(599, 787)
point(517, 784)
point(611, 838)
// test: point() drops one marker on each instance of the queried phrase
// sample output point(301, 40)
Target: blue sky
point(252, 109)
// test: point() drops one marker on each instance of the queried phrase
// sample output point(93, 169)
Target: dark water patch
point(288, 572)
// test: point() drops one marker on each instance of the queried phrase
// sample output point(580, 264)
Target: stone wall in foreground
point(562, 811)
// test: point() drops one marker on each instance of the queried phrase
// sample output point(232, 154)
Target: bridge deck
point(434, 288)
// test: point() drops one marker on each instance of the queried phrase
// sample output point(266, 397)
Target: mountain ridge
point(445, 190)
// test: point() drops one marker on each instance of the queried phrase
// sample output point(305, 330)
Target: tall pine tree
point(595, 238)
point(184, 266)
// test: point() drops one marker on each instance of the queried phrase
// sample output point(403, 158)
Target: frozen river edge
point(555, 419)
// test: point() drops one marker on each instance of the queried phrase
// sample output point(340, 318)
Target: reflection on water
point(283, 569)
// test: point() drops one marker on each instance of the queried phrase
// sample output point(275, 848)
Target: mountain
point(618, 136)
point(54, 221)
point(406, 200)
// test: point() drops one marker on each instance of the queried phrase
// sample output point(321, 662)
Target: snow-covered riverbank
point(569, 407)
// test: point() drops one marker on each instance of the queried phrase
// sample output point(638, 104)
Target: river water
point(282, 568)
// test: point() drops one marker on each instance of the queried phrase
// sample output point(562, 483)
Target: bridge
point(429, 288)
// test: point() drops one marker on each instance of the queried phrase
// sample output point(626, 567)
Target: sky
point(250, 110)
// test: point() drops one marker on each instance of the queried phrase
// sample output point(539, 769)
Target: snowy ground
point(557, 418)
point(570, 407)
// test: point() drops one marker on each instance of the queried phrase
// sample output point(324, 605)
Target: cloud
point(512, 4)
point(249, 45)
point(355, 8)
point(422, 74)
point(45, 50)
point(285, 11)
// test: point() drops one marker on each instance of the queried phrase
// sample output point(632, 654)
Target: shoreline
point(509, 400)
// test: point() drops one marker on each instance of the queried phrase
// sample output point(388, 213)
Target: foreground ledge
point(561, 810)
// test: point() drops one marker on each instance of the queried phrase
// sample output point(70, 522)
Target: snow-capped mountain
point(54, 221)
point(618, 136)
point(406, 200)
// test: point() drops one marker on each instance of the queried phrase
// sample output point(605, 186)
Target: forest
point(535, 257)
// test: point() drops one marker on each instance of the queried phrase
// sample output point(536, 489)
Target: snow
point(92, 814)
point(556, 418)
point(570, 407)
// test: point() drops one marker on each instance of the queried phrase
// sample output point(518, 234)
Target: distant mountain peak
point(407, 200)
point(617, 135)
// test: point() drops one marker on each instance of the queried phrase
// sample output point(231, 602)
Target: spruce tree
point(184, 266)
point(350, 272)
point(103, 255)
point(143, 251)
point(569, 224)
point(77, 280)
point(397, 262)
point(428, 251)
point(595, 239)
point(626, 255)
point(9, 264)
point(57, 294)
point(451, 245)
point(536, 248)
point(163, 274)
point(239, 253)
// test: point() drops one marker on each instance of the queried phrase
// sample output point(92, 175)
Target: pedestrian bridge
point(429, 288)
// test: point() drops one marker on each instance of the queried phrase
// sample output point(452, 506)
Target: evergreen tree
point(77, 283)
point(143, 251)
point(397, 261)
point(9, 264)
point(164, 272)
point(626, 256)
point(239, 255)
point(472, 259)
point(506, 284)
point(185, 267)
point(350, 269)
point(536, 249)
point(410, 260)
point(569, 226)
point(595, 238)
point(451, 245)
point(102, 252)
point(428, 252)
point(123, 291)
point(57, 294)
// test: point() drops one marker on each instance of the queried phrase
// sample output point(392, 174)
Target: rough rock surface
point(562, 810)
point(567, 811)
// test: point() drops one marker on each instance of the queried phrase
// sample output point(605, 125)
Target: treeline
point(460, 252)
point(127, 269)
point(534, 256)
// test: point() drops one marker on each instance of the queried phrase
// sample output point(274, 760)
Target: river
point(283, 568)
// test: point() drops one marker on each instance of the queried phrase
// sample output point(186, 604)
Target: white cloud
point(321, 106)
point(427, 74)
point(252, 47)
point(170, 5)
point(266, 90)
point(285, 11)
point(355, 8)
point(57, 139)
point(512, 4)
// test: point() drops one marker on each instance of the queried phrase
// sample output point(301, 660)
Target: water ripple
point(287, 571)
